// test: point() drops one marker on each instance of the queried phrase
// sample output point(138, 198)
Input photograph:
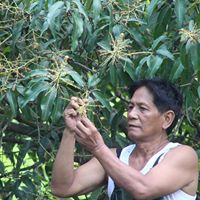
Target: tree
point(51, 50)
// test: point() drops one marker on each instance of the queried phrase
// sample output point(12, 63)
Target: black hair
point(166, 96)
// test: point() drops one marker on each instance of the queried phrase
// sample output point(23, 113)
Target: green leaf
point(54, 11)
point(163, 20)
point(157, 41)
point(2, 168)
point(1, 96)
point(198, 90)
point(32, 92)
point(135, 19)
point(37, 73)
point(195, 58)
point(88, 4)
point(77, 30)
point(113, 74)
point(100, 97)
point(96, 6)
point(47, 102)
point(28, 113)
point(33, 6)
point(77, 78)
point(176, 70)
point(92, 38)
point(116, 117)
point(45, 143)
point(95, 194)
point(164, 52)
point(104, 44)
point(117, 30)
point(180, 10)
point(17, 30)
point(29, 183)
point(151, 7)
point(129, 68)
point(154, 63)
point(22, 153)
point(93, 81)
point(57, 111)
point(81, 8)
point(138, 70)
point(138, 37)
point(12, 100)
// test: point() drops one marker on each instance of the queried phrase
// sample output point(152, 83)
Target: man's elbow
point(141, 193)
point(59, 190)
point(144, 194)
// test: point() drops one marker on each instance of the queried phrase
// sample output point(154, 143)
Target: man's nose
point(133, 113)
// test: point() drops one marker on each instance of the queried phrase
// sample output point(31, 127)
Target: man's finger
point(79, 133)
point(74, 99)
point(70, 112)
point(81, 127)
point(86, 122)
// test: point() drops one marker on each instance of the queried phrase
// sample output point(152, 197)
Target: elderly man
point(151, 168)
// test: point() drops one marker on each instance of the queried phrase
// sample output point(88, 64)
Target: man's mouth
point(133, 126)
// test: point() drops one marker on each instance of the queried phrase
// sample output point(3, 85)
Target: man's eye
point(142, 108)
point(130, 107)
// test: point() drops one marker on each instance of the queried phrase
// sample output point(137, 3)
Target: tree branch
point(21, 129)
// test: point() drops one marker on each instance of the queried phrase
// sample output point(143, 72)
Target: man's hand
point(87, 135)
point(71, 114)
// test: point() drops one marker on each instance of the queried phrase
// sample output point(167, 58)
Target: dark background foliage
point(51, 50)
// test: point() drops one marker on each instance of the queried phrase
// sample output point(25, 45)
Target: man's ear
point(168, 118)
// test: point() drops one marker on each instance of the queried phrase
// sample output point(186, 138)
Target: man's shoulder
point(182, 148)
point(183, 153)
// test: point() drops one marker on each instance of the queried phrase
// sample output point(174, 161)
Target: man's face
point(144, 119)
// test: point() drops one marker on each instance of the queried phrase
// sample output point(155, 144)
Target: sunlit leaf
point(153, 63)
point(54, 11)
point(164, 52)
point(80, 8)
point(32, 92)
point(93, 81)
point(96, 6)
point(157, 41)
point(47, 103)
point(101, 98)
point(77, 30)
point(77, 78)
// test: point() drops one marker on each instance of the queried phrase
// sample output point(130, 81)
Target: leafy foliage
point(51, 50)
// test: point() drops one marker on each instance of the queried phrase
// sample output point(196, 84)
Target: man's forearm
point(121, 173)
point(62, 175)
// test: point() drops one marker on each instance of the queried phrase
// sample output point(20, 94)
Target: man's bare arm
point(67, 181)
point(167, 177)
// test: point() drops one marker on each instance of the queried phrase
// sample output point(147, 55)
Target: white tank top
point(124, 157)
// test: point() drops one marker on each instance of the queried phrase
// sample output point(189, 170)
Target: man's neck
point(148, 149)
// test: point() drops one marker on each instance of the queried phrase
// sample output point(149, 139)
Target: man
point(153, 168)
